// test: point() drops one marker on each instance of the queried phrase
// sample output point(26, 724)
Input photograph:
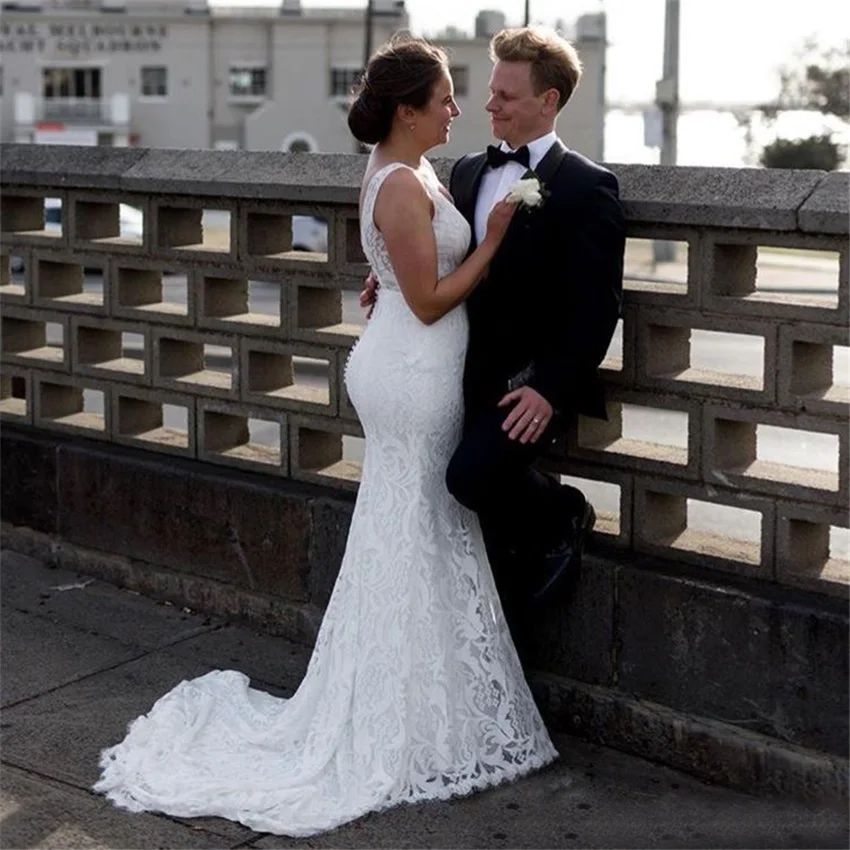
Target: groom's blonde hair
point(554, 61)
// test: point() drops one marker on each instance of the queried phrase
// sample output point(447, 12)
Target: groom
point(540, 323)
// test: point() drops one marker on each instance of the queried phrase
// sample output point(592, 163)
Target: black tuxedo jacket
point(553, 292)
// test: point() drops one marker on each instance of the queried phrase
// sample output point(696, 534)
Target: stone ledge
point(760, 199)
point(296, 621)
point(706, 748)
point(827, 209)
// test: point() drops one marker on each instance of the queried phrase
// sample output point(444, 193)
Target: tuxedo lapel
point(547, 166)
point(469, 192)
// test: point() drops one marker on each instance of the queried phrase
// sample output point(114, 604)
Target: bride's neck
point(398, 148)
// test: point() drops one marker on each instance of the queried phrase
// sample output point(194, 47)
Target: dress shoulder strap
point(374, 186)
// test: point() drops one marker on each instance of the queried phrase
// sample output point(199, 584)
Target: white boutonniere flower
point(528, 192)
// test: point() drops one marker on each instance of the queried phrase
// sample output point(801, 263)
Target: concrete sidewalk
point(80, 659)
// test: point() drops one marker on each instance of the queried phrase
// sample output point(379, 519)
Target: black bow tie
point(496, 157)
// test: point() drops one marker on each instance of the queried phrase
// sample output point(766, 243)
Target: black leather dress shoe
point(562, 563)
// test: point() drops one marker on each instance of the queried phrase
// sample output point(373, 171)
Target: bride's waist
point(393, 300)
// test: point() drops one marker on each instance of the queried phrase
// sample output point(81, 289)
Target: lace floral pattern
point(414, 690)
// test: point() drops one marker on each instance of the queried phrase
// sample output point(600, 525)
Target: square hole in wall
point(820, 371)
point(103, 348)
point(727, 359)
point(163, 425)
point(797, 456)
point(241, 302)
point(163, 291)
point(34, 340)
point(31, 216)
point(707, 528)
point(797, 275)
point(14, 399)
point(330, 455)
point(109, 223)
point(79, 407)
point(778, 275)
point(722, 531)
point(816, 552)
point(656, 265)
point(298, 236)
point(195, 362)
point(634, 430)
point(319, 309)
point(232, 436)
point(309, 237)
point(194, 229)
point(605, 498)
point(13, 276)
point(682, 353)
point(273, 375)
point(70, 283)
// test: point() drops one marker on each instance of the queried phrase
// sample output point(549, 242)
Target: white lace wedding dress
point(414, 690)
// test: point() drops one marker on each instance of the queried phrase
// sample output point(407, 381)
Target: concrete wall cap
point(761, 199)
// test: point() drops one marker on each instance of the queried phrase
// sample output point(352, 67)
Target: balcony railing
point(73, 110)
point(108, 111)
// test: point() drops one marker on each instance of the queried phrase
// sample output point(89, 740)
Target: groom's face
point(517, 114)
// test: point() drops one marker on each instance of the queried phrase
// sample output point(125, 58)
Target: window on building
point(343, 80)
point(65, 82)
point(155, 82)
point(460, 78)
point(247, 82)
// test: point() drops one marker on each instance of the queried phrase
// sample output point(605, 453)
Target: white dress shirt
point(496, 181)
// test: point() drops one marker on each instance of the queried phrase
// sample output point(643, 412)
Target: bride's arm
point(403, 215)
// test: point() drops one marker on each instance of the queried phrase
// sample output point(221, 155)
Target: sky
point(730, 50)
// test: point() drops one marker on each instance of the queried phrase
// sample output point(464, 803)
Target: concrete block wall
point(720, 216)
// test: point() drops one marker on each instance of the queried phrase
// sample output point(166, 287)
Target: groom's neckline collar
point(537, 148)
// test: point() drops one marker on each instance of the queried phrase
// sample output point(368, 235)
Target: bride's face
point(433, 123)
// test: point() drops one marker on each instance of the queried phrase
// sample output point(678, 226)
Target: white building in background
point(177, 73)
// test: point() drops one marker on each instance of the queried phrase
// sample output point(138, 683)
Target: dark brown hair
point(554, 61)
point(402, 71)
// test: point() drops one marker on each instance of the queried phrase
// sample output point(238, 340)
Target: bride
point(414, 690)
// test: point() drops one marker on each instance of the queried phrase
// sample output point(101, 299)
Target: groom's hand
point(530, 416)
point(369, 295)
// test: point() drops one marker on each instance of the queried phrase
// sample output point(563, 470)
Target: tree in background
point(818, 80)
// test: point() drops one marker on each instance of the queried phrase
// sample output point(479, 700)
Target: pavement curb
point(710, 750)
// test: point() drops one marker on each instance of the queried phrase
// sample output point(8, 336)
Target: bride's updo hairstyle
point(404, 71)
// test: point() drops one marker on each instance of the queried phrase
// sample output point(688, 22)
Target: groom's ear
point(551, 98)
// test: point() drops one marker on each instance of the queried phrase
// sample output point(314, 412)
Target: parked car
point(309, 234)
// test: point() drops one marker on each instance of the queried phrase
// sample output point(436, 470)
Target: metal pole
point(527, 12)
point(667, 99)
point(367, 42)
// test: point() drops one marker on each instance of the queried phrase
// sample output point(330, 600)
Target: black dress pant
point(522, 511)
